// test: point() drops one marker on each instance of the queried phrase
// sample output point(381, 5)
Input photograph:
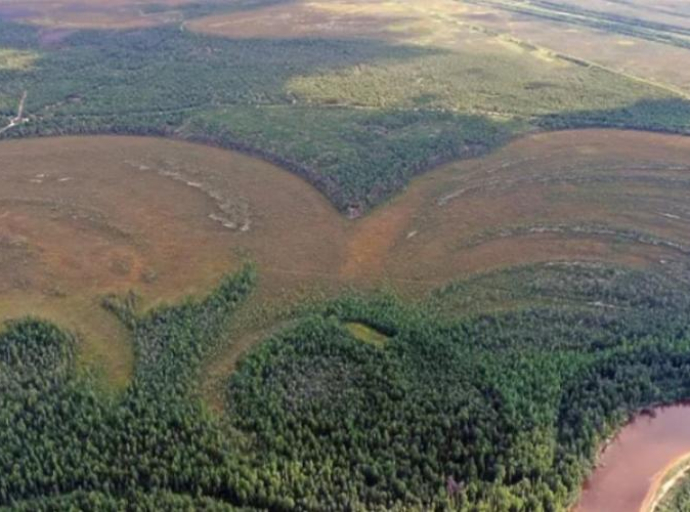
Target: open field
point(594, 32)
point(114, 14)
point(79, 220)
point(619, 47)
point(105, 14)
point(560, 188)
point(436, 23)
point(330, 20)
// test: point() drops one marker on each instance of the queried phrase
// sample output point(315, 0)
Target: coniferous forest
point(446, 410)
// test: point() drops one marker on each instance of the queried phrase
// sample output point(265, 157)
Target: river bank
point(632, 473)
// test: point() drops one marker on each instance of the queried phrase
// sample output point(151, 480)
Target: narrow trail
point(19, 118)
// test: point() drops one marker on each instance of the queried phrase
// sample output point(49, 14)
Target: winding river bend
point(632, 467)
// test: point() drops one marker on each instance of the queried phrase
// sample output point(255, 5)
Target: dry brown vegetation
point(439, 23)
point(82, 217)
point(321, 19)
point(78, 219)
point(90, 14)
point(647, 60)
point(473, 25)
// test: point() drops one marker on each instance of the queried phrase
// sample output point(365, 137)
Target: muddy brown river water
point(633, 465)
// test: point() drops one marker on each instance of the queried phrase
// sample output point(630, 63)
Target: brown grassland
point(437, 23)
point(647, 60)
point(321, 19)
point(90, 14)
point(83, 217)
point(459, 25)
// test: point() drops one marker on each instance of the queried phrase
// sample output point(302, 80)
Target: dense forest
point(370, 114)
point(445, 408)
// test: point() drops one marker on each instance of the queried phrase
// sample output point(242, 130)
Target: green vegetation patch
point(493, 83)
point(367, 334)
point(16, 60)
point(34, 353)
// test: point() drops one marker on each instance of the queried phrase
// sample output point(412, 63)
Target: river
point(632, 466)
